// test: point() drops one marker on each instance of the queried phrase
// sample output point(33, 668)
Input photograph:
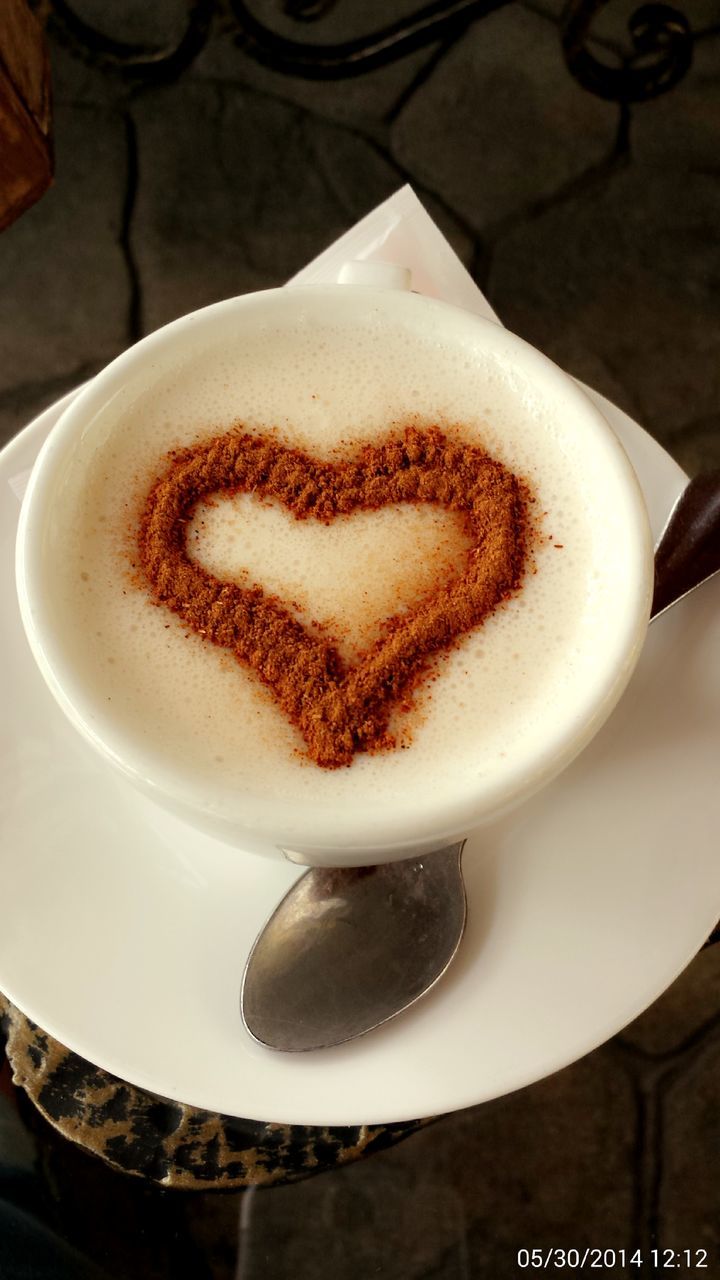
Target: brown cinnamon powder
point(338, 710)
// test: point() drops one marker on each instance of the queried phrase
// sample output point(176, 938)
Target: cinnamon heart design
point(338, 709)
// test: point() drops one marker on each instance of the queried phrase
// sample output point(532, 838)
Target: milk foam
point(326, 390)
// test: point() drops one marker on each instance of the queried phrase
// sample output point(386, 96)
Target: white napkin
point(19, 483)
point(401, 231)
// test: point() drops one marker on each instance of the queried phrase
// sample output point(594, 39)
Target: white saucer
point(124, 934)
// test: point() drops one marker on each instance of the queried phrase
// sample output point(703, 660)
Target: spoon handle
point(689, 549)
point(688, 553)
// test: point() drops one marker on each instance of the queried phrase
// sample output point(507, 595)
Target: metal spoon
point(348, 949)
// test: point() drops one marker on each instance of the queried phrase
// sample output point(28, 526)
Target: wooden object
point(26, 155)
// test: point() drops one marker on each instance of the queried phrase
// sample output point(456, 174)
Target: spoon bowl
point(311, 979)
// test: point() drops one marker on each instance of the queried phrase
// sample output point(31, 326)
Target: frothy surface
point(325, 391)
point(344, 576)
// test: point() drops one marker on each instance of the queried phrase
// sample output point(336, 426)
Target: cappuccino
point(492, 703)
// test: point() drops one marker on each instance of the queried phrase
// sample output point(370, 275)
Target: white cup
point(319, 834)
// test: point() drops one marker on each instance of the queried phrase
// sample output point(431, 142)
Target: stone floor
point(593, 228)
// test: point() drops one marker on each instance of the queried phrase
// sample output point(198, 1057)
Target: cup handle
point(376, 275)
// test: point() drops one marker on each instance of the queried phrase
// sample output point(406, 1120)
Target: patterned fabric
point(167, 1142)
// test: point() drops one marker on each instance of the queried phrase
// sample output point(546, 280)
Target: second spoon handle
point(689, 549)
